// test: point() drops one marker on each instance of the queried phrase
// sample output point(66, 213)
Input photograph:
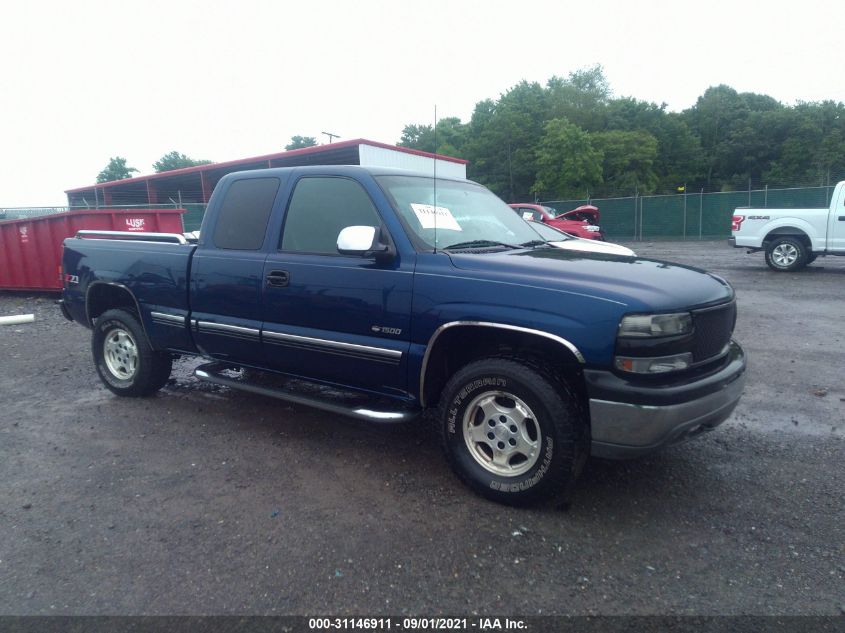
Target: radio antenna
point(434, 179)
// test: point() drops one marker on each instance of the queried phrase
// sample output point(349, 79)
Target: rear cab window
point(243, 216)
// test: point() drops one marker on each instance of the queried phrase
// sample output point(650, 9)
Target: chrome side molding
point(225, 329)
point(167, 319)
point(366, 352)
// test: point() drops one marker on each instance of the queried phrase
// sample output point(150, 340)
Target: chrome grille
point(713, 329)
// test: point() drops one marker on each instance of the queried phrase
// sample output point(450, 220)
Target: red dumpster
point(31, 249)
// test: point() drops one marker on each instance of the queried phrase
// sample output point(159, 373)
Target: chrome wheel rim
point(502, 434)
point(121, 354)
point(784, 255)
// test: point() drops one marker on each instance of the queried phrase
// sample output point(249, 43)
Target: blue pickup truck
point(418, 293)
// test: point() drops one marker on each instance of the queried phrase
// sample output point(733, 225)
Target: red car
point(582, 221)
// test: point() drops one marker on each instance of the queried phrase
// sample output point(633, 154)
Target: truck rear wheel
point(513, 433)
point(126, 363)
point(786, 254)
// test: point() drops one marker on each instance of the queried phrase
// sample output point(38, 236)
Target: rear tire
point(786, 254)
point(125, 361)
point(513, 432)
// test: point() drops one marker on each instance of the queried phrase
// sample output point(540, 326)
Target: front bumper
point(630, 420)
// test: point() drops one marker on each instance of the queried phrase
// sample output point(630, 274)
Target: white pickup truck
point(792, 238)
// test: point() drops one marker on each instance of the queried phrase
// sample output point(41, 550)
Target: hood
point(586, 212)
point(593, 246)
point(641, 284)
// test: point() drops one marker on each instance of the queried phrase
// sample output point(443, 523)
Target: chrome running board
point(212, 372)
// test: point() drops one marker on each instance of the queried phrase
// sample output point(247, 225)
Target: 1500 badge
point(386, 330)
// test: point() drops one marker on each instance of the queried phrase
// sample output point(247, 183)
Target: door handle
point(278, 278)
point(842, 218)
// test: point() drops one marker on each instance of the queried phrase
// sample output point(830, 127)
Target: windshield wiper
point(534, 243)
point(479, 244)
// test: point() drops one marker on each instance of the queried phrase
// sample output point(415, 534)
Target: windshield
point(463, 213)
point(549, 233)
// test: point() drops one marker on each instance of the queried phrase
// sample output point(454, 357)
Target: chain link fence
point(22, 213)
point(689, 216)
point(192, 220)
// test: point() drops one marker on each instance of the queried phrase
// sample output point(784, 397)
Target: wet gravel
point(201, 500)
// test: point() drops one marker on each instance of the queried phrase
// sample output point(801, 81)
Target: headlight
point(655, 325)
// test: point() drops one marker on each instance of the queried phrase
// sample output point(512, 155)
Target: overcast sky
point(82, 81)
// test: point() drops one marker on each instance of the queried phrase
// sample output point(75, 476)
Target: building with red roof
point(193, 185)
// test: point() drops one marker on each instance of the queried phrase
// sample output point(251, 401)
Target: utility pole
point(331, 136)
point(510, 170)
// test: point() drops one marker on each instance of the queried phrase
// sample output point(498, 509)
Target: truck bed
point(155, 272)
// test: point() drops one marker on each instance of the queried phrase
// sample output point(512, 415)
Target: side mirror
point(365, 241)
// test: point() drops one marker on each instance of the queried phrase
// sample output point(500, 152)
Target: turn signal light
point(658, 365)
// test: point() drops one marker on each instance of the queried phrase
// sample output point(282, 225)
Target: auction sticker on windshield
point(432, 217)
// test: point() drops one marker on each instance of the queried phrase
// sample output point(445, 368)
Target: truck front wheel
point(512, 432)
point(786, 254)
point(126, 363)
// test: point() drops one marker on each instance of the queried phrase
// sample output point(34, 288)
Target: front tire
point(125, 361)
point(513, 432)
point(786, 254)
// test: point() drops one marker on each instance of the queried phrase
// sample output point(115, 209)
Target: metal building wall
point(382, 157)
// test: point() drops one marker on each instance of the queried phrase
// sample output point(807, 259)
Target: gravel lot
point(206, 501)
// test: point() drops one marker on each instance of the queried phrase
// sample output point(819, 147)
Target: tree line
point(572, 139)
point(117, 169)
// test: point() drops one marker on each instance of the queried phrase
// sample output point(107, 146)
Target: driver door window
point(320, 208)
